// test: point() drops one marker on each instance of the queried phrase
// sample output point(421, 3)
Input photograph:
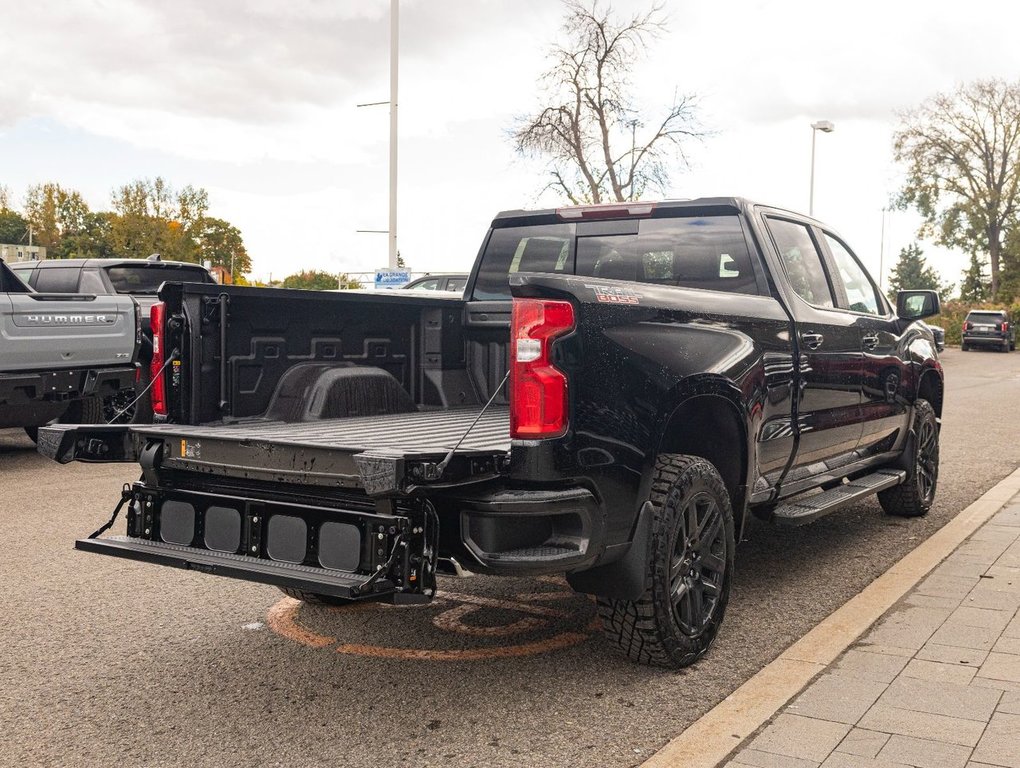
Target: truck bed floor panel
point(418, 433)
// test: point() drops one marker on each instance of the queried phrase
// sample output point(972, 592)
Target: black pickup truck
point(619, 389)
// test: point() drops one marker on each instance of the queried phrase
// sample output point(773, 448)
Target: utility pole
point(394, 51)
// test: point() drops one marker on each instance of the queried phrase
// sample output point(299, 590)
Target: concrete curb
point(711, 739)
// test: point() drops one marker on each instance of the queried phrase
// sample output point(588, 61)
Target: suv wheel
point(914, 496)
point(963, 346)
point(687, 577)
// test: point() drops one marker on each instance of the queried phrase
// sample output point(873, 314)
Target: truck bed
point(323, 452)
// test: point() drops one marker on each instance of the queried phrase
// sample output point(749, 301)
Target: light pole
point(825, 127)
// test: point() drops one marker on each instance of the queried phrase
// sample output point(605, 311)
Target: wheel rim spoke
point(696, 569)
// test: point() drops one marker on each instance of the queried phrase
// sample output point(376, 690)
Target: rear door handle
point(870, 341)
point(812, 340)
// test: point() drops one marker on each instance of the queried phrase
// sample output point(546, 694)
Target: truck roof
point(626, 210)
point(58, 263)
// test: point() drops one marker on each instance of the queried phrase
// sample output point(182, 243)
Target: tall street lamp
point(825, 127)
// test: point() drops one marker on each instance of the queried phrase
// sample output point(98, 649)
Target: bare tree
point(597, 145)
point(962, 154)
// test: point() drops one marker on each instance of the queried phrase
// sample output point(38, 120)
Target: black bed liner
point(328, 452)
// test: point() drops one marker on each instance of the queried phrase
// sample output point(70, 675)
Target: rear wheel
point(1005, 345)
point(33, 433)
point(314, 598)
point(687, 577)
point(963, 346)
point(914, 496)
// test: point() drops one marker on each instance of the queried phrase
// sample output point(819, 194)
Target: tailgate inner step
point(801, 511)
point(352, 586)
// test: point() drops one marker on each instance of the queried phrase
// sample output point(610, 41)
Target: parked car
point(139, 278)
point(618, 391)
point(940, 335)
point(449, 282)
point(988, 328)
point(62, 357)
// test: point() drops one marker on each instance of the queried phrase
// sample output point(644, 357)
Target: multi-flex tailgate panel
point(351, 586)
point(349, 552)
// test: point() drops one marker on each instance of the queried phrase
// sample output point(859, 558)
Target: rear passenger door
point(827, 415)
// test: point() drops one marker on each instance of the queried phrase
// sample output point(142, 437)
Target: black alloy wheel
point(915, 495)
point(697, 570)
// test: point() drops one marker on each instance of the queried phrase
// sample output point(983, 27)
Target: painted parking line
point(529, 613)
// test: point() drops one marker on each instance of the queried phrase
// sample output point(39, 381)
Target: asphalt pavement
point(109, 662)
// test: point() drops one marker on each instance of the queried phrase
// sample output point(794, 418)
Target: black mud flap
point(93, 443)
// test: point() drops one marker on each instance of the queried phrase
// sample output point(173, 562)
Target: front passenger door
point(827, 420)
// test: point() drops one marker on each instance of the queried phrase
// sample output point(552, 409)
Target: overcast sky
point(256, 102)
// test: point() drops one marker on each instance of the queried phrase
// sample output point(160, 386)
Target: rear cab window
point(703, 252)
point(146, 278)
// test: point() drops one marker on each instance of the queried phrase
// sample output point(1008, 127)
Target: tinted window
point(24, 274)
point(544, 248)
point(58, 280)
point(985, 317)
point(709, 253)
point(146, 278)
point(91, 282)
point(860, 293)
point(802, 262)
point(456, 284)
point(426, 285)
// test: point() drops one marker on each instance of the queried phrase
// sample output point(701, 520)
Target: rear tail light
point(538, 389)
point(1005, 326)
point(156, 320)
point(966, 326)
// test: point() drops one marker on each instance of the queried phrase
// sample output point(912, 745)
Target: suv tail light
point(158, 392)
point(966, 326)
point(1005, 326)
point(538, 389)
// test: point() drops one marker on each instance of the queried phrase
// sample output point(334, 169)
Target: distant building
point(221, 275)
point(14, 254)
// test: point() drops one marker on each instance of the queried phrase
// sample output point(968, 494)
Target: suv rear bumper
point(992, 340)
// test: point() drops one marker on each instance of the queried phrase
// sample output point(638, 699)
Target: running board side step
point(351, 586)
point(805, 510)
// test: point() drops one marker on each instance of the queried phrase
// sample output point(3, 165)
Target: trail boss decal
point(611, 294)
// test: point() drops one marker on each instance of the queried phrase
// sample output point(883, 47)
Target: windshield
point(146, 278)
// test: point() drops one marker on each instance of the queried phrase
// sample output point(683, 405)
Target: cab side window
point(860, 293)
point(802, 262)
point(57, 280)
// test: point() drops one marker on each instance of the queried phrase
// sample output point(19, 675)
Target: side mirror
point(915, 305)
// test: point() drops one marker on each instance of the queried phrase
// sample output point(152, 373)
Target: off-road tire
point(649, 630)
point(915, 495)
point(88, 410)
point(314, 598)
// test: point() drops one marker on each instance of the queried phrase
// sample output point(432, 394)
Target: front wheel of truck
point(915, 495)
point(687, 577)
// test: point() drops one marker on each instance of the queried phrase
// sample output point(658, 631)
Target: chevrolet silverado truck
point(618, 390)
point(63, 355)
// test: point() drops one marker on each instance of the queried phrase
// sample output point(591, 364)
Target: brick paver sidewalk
point(935, 684)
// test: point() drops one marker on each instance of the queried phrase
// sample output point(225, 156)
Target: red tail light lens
point(158, 391)
point(1005, 326)
point(966, 326)
point(538, 390)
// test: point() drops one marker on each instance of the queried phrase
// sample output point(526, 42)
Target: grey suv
point(989, 328)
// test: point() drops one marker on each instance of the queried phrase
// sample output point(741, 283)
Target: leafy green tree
point(13, 227)
point(311, 280)
point(93, 241)
point(155, 218)
point(54, 212)
point(961, 151)
point(588, 129)
point(974, 287)
point(315, 280)
point(912, 272)
point(5, 198)
point(221, 243)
